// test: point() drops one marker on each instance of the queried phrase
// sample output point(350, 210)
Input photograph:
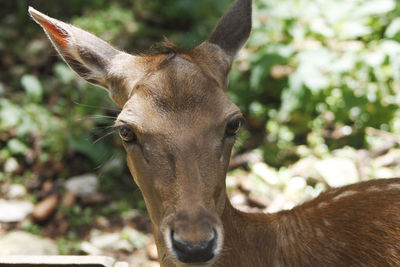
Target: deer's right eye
point(127, 134)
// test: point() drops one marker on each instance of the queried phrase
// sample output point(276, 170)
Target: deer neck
point(255, 232)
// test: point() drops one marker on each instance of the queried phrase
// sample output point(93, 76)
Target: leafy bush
point(320, 72)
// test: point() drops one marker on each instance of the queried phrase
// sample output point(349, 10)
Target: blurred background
point(318, 84)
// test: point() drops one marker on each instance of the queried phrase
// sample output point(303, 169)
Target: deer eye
point(127, 134)
point(233, 127)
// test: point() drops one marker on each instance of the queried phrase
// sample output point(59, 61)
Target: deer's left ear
point(233, 29)
point(90, 57)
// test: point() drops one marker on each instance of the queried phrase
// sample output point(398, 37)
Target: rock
point(83, 185)
point(305, 167)
point(260, 202)
point(337, 171)
point(14, 211)
point(124, 245)
point(295, 185)
point(47, 186)
point(45, 208)
point(89, 248)
point(21, 243)
point(384, 173)
point(93, 199)
point(266, 172)
point(11, 165)
point(246, 185)
point(295, 190)
point(279, 203)
point(104, 241)
point(231, 181)
point(136, 238)
point(346, 152)
point(16, 191)
point(152, 252)
point(389, 159)
point(68, 199)
point(109, 241)
point(138, 258)
point(102, 222)
point(237, 199)
point(130, 215)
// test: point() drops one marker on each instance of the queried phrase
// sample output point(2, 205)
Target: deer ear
point(233, 29)
point(89, 56)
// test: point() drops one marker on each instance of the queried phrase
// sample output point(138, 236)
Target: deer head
point(177, 126)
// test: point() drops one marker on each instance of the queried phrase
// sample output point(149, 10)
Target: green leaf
point(97, 152)
point(16, 146)
point(64, 73)
point(374, 7)
point(32, 87)
point(353, 29)
point(10, 114)
point(393, 29)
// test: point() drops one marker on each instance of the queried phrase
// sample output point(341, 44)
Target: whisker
point(104, 136)
point(105, 127)
point(96, 117)
point(101, 117)
point(94, 107)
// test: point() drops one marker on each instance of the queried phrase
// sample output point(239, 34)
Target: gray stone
point(11, 165)
point(16, 191)
point(104, 240)
point(337, 171)
point(22, 243)
point(389, 159)
point(14, 211)
point(305, 167)
point(90, 249)
point(83, 185)
point(100, 243)
point(136, 238)
point(268, 174)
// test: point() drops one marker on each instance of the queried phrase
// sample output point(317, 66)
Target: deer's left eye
point(127, 134)
point(233, 127)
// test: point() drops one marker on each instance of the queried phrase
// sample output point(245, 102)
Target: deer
point(178, 126)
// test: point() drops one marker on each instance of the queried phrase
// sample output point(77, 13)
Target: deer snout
point(190, 252)
point(194, 236)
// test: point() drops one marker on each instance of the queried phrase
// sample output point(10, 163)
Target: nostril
point(188, 252)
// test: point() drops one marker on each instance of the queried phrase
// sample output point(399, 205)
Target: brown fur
point(176, 105)
point(360, 229)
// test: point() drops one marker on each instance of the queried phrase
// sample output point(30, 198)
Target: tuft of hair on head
point(164, 47)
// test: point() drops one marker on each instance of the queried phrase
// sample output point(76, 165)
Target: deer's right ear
point(90, 57)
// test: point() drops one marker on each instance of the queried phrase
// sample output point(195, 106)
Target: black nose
point(188, 252)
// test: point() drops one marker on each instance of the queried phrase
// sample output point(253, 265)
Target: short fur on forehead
point(177, 78)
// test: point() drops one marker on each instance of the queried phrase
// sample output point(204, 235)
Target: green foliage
point(69, 245)
point(113, 24)
point(32, 87)
point(33, 228)
point(28, 124)
point(78, 216)
point(326, 67)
